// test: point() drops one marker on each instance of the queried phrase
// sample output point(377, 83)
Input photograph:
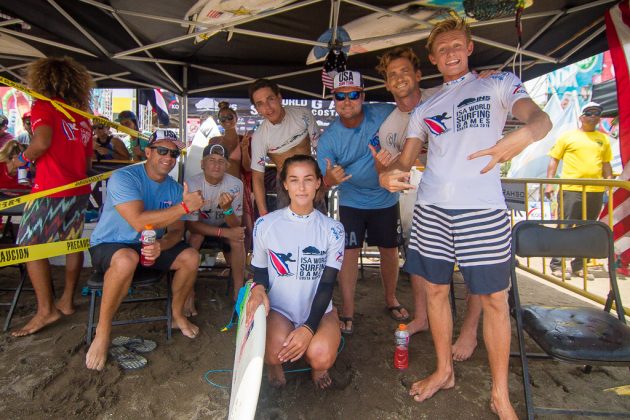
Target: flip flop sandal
point(137, 344)
point(345, 320)
point(398, 308)
point(127, 359)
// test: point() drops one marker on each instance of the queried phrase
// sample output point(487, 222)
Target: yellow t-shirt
point(582, 154)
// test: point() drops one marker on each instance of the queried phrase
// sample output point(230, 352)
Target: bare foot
point(97, 354)
point(321, 378)
point(504, 410)
point(189, 306)
point(187, 328)
point(464, 346)
point(417, 326)
point(37, 323)
point(427, 387)
point(275, 376)
point(66, 308)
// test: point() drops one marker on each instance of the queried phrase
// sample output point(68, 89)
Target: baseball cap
point(348, 79)
point(214, 149)
point(165, 134)
point(127, 115)
point(592, 105)
point(27, 114)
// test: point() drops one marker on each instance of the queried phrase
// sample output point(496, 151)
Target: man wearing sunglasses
point(137, 196)
point(285, 132)
point(364, 207)
point(585, 153)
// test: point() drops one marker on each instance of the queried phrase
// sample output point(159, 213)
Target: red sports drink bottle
point(401, 354)
point(147, 237)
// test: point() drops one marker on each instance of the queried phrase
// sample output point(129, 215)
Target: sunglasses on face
point(353, 96)
point(99, 127)
point(163, 151)
point(594, 113)
point(225, 118)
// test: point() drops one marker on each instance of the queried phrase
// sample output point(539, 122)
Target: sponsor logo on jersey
point(337, 231)
point(311, 250)
point(261, 161)
point(68, 130)
point(258, 222)
point(519, 88)
point(436, 124)
point(339, 257)
point(165, 204)
point(279, 262)
point(375, 142)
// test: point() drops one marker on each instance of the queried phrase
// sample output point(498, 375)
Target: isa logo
point(436, 124)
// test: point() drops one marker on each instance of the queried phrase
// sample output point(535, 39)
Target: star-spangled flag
point(618, 34)
point(335, 63)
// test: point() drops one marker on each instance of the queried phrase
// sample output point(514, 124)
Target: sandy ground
point(44, 376)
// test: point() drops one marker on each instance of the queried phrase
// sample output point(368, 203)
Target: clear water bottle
point(22, 175)
point(147, 237)
point(401, 354)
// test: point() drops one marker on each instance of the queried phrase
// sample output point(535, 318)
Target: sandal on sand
point(127, 359)
point(137, 344)
point(398, 308)
point(345, 320)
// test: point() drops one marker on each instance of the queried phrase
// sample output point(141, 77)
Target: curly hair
point(61, 77)
point(447, 25)
point(394, 54)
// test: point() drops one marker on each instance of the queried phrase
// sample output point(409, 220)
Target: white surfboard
point(206, 131)
point(248, 365)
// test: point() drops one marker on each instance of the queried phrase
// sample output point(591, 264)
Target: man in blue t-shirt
point(364, 207)
point(137, 196)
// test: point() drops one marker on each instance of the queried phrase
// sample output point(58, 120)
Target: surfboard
point(429, 12)
point(248, 364)
point(223, 12)
point(206, 131)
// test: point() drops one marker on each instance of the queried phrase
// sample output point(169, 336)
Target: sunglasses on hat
point(353, 96)
point(225, 118)
point(163, 151)
point(592, 113)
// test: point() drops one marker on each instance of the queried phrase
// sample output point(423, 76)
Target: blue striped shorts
point(478, 240)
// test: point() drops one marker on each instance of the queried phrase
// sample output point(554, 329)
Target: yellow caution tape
point(620, 390)
point(22, 254)
point(62, 107)
point(16, 201)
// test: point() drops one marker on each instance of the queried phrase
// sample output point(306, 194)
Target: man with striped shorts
point(460, 214)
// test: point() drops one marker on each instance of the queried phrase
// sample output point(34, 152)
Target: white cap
point(592, 105)
point(348, 79)
point(165, 134)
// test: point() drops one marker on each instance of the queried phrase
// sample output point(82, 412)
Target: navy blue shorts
point(478, 240)
point(380, 227)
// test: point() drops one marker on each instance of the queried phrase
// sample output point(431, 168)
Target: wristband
point(308, 328)
point(186, 209)
point(22, 158)
point(229, 211)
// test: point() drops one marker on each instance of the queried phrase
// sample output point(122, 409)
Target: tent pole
point(47, 42)
point(80, 28)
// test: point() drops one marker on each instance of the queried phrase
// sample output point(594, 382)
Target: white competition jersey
point(393, 131)
point(295, 249)
point(211, 213)
point(465, 116)
point(278, 138)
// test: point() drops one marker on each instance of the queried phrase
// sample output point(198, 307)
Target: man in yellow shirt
point(585, 153)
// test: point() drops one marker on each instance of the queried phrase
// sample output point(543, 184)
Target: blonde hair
point(10, 149)
point(394, 54)
point(447, 25)
point(61, 77)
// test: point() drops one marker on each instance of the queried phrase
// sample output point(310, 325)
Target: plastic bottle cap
point(148, 227)
point(402, 327)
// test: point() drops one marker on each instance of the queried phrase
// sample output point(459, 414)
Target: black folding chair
point(581, 335)
point(142, 277)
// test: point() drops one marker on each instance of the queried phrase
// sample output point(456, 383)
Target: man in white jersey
point(460, 213)
point(220, 216)
point(400, 67)
point(286, 131)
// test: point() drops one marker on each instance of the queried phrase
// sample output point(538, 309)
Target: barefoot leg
point(185, 267)
point(348, 280)
point(236, 259)
point(420, 321)
point(467, 340)
point(189, 306)
point(278, 328)
point(74, 263)
point(47, 313)
point(496, 335)
point(322, 351)
point(389, 277)
point(441, 322)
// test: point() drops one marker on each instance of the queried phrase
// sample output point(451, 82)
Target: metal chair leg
point(16, 297)
point(90, 327)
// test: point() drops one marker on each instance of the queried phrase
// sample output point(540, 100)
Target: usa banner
point(618, 34)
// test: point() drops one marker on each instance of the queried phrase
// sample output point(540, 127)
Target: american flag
point(618, 34)
point(335, 63)
point(214, 14)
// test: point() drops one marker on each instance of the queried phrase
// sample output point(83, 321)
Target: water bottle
point(22, 175)
point(147, 237)
point(401, 354)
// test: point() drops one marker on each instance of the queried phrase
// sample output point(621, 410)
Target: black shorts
point(214, 242)
point(381, 227)
point(102, 255)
